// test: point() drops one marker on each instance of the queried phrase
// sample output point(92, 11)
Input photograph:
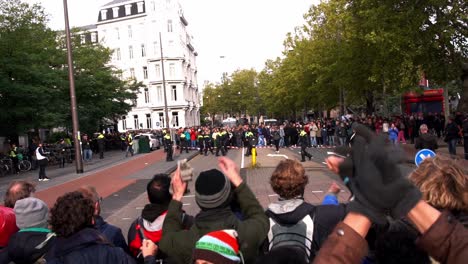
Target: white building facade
point(132, 29)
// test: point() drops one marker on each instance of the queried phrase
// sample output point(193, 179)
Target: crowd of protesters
point(390, 219)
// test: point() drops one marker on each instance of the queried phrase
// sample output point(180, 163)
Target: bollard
point(254, 157)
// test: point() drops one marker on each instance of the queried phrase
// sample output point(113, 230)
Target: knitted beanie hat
point(219, 247)
point(212, 189)
point(31, 212)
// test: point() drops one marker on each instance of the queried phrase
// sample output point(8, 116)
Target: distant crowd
point(390, 218)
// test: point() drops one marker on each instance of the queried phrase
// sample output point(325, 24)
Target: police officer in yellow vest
point(101, 141)
point(183, 142)
point(14, 157)
point(248, 138)
point(129, 140)
point(168, 146)
point(304, 142)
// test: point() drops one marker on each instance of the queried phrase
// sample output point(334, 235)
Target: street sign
point(422, 155)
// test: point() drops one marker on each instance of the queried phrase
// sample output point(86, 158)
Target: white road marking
point(186, 204)
point(278, 155)
point(271, 195)
point(139, 208)
point(242, 160)
point(188, 196)
point(126, 218)
point(317, 191)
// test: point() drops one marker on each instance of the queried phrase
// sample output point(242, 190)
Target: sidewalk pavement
point(443, 150)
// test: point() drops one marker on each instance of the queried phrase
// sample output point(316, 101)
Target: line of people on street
point(390, 217)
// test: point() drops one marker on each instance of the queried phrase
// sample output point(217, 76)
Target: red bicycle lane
point(106, 181)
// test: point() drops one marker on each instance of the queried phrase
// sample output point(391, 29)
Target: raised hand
point(230, 169)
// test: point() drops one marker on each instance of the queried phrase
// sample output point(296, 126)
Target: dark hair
point(18, 190)
point(158, 189)
point(71, 213)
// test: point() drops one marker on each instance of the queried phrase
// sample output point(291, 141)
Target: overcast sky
point(245, 32)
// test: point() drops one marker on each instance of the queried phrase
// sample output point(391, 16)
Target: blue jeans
point(313, 141)
point(331, 140)
point(88, 154)
point(194, 143)
point(452, 146)
point(281, 143)
point(261, 140)
point(342, 141)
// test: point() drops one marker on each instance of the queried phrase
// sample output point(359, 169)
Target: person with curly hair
point(294, 223)
point(78, 241)
point(444, 185)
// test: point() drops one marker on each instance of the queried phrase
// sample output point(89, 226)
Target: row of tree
point(34, 86)
point(354, 52)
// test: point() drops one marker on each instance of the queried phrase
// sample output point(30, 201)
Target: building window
point(158, 71)
point(115, 12)
point(128, 10)
point(161, 119)
point(130, 52)
point(140, 7)
point(143, 50)
point(103, 14)
point(159, 93)
point(124, 122)
point(148, 121)
point(82, 39)
point(171, 70)
point(132, 73)
point(117, 33)
point(175, 119)
point(94, 37)
point(104, 32)
point(145, 72)
point(174, 92)
point(169, 25)
point(147, 98)
point(117, 54)
point(130, 33)
point(135, 122)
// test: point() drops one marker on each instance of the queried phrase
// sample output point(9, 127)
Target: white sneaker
point(45, 179)
point(40, 179)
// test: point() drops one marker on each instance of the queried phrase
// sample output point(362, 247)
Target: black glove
point(377, 180)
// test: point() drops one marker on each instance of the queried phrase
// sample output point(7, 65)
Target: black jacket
point(86, 246)
point(29, 245)
point(426, 141)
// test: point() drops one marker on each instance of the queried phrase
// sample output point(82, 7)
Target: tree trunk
point(369, 103)
point(463, 104)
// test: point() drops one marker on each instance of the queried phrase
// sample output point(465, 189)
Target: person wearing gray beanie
point(31, 212)
point(212, 190)
point(34, 239)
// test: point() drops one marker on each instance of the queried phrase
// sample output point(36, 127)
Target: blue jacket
point(112, 233)
point(86, 246)
point(392, 133)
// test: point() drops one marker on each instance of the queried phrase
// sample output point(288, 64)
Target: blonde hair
point(289, 179)
point(443, 183)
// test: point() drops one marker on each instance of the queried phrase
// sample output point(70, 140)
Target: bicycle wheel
point(25, 165)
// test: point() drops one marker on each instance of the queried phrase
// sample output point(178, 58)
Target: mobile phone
point(186, 172)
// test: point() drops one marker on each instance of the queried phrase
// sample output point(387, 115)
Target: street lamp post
point(166, 112)
point(74, 112)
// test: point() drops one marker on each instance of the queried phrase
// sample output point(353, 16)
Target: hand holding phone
point(186, 172)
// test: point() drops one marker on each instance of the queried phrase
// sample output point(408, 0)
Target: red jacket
point(193, 134)
point(7, 225)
